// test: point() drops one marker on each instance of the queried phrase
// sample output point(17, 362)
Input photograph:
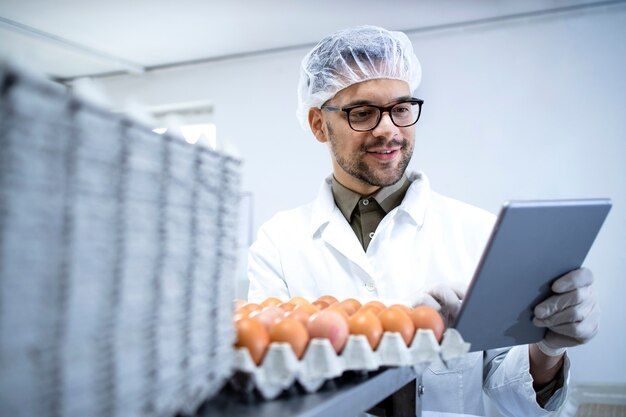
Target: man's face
point(366, 161)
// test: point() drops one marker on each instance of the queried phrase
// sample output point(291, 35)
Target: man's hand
point(445, 298)
point(572, 315)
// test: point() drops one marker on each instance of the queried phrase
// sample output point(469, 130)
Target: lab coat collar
point(418, 198)
point(415, 203)
point(323, 207)
point(328, 223)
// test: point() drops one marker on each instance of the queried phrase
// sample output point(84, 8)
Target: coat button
point(370, 286)
point(365, 202)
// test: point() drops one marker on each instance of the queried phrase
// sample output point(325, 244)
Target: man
point(376, 231)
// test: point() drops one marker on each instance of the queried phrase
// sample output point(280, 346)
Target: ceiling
point(67, 39)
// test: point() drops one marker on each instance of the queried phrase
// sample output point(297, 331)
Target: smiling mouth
point(383, 151)
point(384, 155)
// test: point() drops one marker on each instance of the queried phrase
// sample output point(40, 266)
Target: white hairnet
point(351, 56)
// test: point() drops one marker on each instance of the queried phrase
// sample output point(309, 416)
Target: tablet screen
point(532, 244)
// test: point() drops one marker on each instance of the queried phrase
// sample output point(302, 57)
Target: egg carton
point(117, 259)
point(281, 369)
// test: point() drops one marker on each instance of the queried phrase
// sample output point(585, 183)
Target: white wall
point(527, 109)
point(537, 110)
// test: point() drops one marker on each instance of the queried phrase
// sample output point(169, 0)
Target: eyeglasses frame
point(382, 110)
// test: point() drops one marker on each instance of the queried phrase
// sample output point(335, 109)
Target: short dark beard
point(358, 169)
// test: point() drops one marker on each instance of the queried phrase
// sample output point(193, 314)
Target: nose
point(385, 127)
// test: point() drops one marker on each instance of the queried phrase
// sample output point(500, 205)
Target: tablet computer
point(532, 244)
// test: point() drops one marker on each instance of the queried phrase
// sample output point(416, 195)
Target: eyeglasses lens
point(365, 118)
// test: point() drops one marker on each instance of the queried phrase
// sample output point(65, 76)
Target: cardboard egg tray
point(117, 260)
point(281, 369)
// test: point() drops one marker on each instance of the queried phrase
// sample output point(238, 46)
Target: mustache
point(382, 143)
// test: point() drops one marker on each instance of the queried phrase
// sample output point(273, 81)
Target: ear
point(316, 122)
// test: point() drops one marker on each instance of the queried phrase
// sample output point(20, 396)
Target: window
point(191, 120)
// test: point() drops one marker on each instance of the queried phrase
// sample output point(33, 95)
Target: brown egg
point(248, 308)
point(336, 307)
point(330, 324)
point(267, 316)
point(402, 307)
point(373, 308)
point(286, 306)
point(425, 317)
point(239, 316)
point(395, 320)
point(367, 324)
point(375, 303)
point(329, 299)
point(309, 308)
point(299, 314)
point(299, 301)
point(320, 304)
point(252, 335)
point(350, 305)
point(272, 301)
point(290, 330)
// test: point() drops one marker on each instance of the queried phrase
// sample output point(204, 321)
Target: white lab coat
point(311, 251)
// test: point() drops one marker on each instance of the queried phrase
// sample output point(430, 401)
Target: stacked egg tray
point(281, 369)
point(117, 255)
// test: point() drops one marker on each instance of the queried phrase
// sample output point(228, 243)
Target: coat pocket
point(457, 389)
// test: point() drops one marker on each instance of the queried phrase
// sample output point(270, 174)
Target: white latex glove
point(572, 315)
point(445, 298)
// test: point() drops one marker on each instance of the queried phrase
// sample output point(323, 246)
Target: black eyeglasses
point(363, 118)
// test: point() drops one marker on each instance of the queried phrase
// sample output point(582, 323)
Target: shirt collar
point(387, 197)
point(415, 203)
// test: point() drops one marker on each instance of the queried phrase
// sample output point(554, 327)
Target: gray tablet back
point(532, 244)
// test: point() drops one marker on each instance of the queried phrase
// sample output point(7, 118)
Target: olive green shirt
point(364, 213)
